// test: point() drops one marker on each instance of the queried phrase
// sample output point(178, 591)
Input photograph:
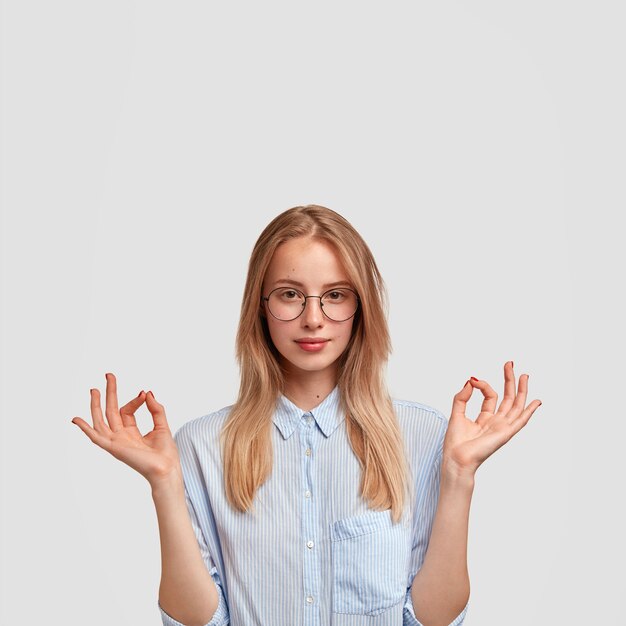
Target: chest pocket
point(370, 560)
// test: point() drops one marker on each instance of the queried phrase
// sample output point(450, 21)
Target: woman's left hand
point(468, 443)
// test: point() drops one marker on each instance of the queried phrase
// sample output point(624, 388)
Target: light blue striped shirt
point(312, 553)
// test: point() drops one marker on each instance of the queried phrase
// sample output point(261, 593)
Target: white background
point(479, 149)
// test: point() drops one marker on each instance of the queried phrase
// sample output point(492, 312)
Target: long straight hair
point(371, 424)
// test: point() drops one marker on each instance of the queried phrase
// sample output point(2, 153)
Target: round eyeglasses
point(287, 303)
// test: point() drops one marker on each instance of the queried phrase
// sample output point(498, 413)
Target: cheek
point(271, 328)
point(346, 334)
point(277, 331)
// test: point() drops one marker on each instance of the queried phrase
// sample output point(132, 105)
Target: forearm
point(187, 591)
point(441, 588)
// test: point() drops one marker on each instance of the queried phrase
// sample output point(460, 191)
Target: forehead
point(309, 261)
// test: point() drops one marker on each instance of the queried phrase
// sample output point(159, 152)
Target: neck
point(307, 389)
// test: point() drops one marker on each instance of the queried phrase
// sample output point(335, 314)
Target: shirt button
point(309, 599)
point(307, 494)
point(309, 544)
point(308, 452)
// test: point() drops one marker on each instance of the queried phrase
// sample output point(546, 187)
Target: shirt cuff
point(220, 617)
point(409, 619)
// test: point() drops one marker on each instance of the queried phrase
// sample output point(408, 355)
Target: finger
point(157, 411)
point(127, 412)
point(491, 397)
point(94, 435)
point(111, 411)
point(520, 401)
point(519, 422)
point(96, 413)
point(460, 400)
point(509, 388)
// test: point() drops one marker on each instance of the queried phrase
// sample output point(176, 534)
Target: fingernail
point(540, 403)
point(140, 393)
point(512, 364)
point(473, 378)
point(151, 394)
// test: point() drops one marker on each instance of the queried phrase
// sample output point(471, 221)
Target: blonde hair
point(371, 424)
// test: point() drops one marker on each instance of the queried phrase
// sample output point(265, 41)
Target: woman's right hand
point(154, 456)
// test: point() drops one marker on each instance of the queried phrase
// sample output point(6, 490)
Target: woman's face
point(313, 267)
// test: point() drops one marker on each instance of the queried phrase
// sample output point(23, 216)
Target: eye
point(335, 296)
point(288, 294)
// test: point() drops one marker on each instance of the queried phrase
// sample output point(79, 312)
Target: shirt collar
point(327, 414)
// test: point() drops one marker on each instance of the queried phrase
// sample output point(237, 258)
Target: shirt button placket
point(310, 554)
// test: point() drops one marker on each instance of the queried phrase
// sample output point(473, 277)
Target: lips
point(311, 340)
point(312, 344)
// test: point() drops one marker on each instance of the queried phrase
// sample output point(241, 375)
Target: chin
point(310, 364)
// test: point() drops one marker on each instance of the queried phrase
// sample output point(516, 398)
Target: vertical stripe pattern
point(311, 552)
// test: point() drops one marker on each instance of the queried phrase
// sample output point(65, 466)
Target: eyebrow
point(298, 284)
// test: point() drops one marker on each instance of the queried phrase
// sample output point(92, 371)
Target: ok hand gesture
point(154, 456)
point(468, 443)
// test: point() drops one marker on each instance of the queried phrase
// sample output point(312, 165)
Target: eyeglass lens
point(286, 303)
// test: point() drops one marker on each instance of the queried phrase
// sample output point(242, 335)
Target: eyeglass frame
point(358, 302)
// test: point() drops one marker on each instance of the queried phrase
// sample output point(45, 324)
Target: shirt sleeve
point(427, 504)
point(221, 616)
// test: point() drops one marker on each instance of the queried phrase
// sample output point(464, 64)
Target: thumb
point(459, 403)
point(157, 411)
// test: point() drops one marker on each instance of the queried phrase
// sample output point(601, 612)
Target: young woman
point(315, 499)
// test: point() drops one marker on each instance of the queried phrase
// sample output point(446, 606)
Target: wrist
point(454, 475)
point(169, 484)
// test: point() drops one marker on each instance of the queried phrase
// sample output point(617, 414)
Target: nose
point(312, 314)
